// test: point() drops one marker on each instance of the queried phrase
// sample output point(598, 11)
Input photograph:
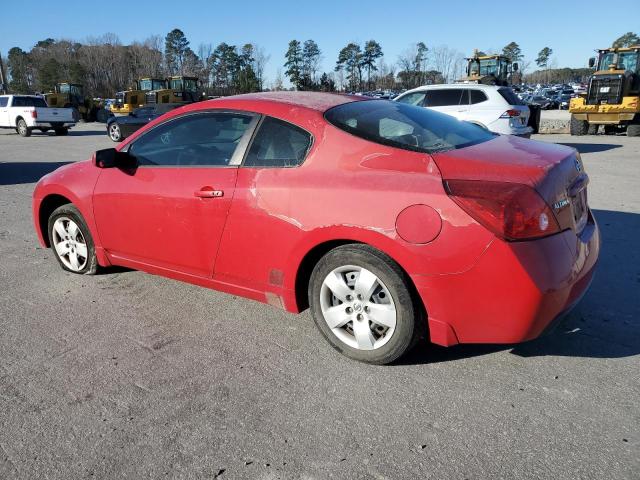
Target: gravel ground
point(128, 375)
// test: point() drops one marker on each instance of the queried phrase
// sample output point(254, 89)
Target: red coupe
point(391, 222)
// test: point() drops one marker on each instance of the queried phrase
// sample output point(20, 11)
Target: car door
point(171, 209)
point(452, 101)
point(135, 120)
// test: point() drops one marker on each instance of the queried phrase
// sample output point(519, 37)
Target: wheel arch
point(18, 118)
point(313, 256)
point(47, 207)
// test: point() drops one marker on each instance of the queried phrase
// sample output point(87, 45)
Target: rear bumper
point(514, 292)
point(54, 124)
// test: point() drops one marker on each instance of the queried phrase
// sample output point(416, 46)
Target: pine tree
point(294, 64)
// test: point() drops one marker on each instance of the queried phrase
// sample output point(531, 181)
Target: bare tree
point(260, 59)
point(447, 61)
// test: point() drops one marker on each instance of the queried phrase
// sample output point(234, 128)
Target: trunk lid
point(555, 171)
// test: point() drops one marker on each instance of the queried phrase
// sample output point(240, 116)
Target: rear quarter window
point(278, 144)
point(4, 101)
point(509, 96)
point(405, 126)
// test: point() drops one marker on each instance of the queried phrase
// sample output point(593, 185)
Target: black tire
point(69, 211)
point(633, 130)
point(410, 322)
point(22, 129)
point(114, 132)
point(61, 132)
point(592, 130)
point(578, 127)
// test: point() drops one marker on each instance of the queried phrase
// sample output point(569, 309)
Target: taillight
point(512, 211)
point(510, 114)
point(34, 114)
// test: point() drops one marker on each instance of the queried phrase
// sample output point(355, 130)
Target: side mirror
point(515, 67)
point(110, 158)
point(592, 62)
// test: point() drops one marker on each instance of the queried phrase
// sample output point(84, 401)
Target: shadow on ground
point(592, 147)
point(13, 173)
point(606, 324)
point(87, 133)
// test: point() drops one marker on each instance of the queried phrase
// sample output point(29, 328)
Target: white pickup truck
point(25, 113)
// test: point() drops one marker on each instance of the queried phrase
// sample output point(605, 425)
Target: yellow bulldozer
point(178, 89)
point(134, 97)
point(489, 69)
point(613, 96)
point(71, 95)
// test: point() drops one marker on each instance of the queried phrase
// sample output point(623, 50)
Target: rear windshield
point(405, 126)
point(509, 96)
point(28, 102)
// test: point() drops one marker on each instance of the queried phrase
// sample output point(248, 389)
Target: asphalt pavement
point(129, 375)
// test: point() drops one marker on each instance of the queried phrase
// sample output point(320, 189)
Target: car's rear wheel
point(21, 127)
point(361, 301)
point(71, 241)
point(114, 132)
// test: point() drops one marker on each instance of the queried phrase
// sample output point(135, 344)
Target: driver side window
point(200, 140)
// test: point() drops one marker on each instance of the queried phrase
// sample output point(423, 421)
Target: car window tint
point(477, 96)
point(405, 126)
point(3, 101)
point(509, 96)
point(208, 139)
point(28, 102)
point(415, 98)
point(444, 97)
point(278, 144)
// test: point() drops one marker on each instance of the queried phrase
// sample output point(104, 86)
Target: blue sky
point(571, 28)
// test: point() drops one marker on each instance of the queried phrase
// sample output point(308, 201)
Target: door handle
point(208, 192)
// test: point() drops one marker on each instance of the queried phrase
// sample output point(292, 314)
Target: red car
point(389, 221)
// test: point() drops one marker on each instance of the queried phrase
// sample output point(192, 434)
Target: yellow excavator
point(489, 69)
point(177, 89)
point(71, 95)
point(134, 97)
point(613, 96)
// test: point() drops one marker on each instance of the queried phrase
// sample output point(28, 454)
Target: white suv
point(495, 108)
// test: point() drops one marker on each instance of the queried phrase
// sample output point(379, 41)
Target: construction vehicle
point(178, 89)
point(71, 95)
point(128, 100)
point(613, 96)
point(489, 69)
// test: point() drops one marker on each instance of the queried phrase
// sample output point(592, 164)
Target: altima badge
point(560, 204)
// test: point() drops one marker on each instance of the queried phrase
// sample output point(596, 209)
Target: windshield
point(148, 84)
point(405, 126)
point(626, 61)
point(186, 84)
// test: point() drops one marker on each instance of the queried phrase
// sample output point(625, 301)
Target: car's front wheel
point(71, 241)
point(114, 132)
point(362, 303)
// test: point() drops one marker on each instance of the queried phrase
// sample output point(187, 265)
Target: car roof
point(318, 101)
point(478, 86)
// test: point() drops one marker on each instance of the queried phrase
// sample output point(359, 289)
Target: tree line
point(104, 65)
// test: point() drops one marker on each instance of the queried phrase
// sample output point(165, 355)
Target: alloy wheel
point(358, 307)
point(69, 244)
